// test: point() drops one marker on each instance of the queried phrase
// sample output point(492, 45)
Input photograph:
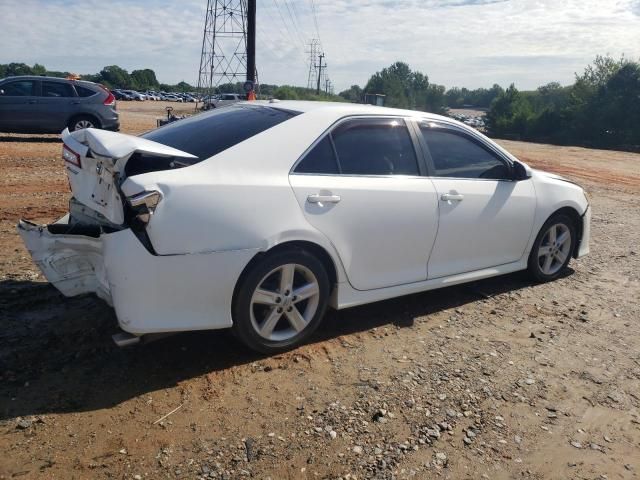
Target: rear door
point(18, 105)
point(57, 104)
point(362, 186)
point(486, 217)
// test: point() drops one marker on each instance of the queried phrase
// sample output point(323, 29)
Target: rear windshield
point(208, 134)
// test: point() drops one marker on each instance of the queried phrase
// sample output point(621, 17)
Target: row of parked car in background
point(208, 101)
point(127, 95)
point(475, 121)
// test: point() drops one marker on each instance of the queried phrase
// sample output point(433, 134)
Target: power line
point(315, 19)
point(294, 22)
point(284, 34)
point(298, 16)
point(286, 25)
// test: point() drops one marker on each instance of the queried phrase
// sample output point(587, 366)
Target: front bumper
point(586, 233)
point(150, 294)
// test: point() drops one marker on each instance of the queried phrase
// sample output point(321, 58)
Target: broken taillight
point(144, 204)
point(70, 156)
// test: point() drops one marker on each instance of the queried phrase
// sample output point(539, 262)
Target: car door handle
point(448, 197)
point(32, 101)
point(323, 198)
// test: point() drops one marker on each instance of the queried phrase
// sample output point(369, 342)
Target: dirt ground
point(497, 379)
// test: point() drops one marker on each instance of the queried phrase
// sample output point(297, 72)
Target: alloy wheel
point(284, 302)
point(554, 248)
point(82, 124)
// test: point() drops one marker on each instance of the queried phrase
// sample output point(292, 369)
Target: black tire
point(76, 122)
point(245, 314)
point(536, 262)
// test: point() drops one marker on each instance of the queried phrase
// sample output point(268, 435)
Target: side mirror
point(521, 171)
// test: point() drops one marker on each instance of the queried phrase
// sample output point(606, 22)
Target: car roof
point(35, 77)
point(44, 77)
point(344, 109)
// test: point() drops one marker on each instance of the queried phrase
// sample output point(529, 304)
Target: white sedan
point(261, 215)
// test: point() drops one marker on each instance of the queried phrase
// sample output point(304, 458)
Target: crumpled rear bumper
point(72, 263)
point(150, 293)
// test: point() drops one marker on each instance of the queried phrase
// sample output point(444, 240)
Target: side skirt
point(347, 296)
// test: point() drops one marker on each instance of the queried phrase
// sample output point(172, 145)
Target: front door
point(18, 106)
point(486, 217)
point(361, 186)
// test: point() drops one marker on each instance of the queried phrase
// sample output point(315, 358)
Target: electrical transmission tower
point(314, 52)
point(318, 79)
point(224, 45)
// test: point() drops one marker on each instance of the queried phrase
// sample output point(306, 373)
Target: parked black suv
point(32, 104)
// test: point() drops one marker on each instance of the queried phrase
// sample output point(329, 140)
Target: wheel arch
point(314, 248)
point(76, 116)
point(578, 223)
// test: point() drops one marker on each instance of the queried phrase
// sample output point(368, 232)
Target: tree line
point(111, 76)
point(404, 88)
point(114, 76)
point(600, 109)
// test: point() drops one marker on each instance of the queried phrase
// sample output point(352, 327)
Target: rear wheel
point(552, 249)
point(281, 301)
point(81, 122)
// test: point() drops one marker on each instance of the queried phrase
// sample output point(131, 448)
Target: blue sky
point(468, 43)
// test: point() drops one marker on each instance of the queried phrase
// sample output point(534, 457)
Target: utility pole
point(320, 66)
point(251, 48)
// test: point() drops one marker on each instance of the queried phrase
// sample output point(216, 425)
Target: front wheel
point(552, 249)
point(281, 301)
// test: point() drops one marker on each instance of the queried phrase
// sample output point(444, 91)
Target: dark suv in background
point(32, 104)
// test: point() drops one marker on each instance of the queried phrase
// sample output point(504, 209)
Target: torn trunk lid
point(95, 161)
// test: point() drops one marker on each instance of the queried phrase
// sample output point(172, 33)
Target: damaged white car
point(260, 215)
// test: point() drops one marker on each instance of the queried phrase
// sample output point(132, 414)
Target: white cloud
point(456, 42)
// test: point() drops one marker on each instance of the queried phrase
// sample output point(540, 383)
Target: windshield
point(210, 133)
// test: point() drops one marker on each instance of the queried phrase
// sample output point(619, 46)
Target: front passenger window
point(456, 155)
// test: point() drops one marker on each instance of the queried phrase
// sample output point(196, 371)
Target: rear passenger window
point(375, 146)
point(57, 90)
point(85, 92)
point(320, 159)
point(22, 88)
